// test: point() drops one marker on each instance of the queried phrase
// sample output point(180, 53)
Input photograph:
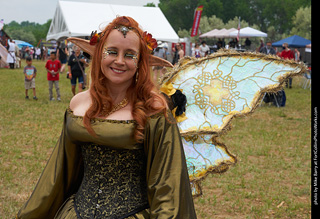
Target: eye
point(111, 52)
point(130, 56)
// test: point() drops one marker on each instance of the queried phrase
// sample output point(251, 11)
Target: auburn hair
point(142, 93)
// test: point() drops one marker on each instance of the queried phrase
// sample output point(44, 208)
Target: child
point(30, 73)
point(53, 67)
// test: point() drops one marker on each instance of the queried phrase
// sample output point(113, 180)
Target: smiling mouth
point(118, 71)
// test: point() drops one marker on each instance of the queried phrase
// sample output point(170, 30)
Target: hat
point(160, 44)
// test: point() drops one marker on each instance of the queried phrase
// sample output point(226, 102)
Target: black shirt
point(74, 64)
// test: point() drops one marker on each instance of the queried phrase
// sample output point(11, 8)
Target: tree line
point(278, 18)
point(30, 32)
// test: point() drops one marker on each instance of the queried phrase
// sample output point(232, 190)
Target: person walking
point(62, 54)
point(76, 66)
point(11, 57)
point(53, 68)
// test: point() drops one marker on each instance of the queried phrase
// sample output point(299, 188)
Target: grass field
point(270, 180)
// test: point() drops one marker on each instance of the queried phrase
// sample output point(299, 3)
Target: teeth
point(118, 71)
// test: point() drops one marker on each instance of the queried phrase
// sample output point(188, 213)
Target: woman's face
point(120, 57)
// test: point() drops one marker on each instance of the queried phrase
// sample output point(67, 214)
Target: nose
point(119, 59)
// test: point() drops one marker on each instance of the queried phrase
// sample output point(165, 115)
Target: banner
point(196, 21)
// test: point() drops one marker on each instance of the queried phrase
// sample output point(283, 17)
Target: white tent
point(79, 19)
point(215, 33)
point(225, 33)
point(248, 32)
point(209, 34)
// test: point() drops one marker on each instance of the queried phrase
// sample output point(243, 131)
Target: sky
point(40, 11)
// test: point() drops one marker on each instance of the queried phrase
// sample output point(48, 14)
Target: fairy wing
point(225, 85)
point(219, 88)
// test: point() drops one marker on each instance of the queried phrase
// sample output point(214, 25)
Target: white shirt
point(203, 50)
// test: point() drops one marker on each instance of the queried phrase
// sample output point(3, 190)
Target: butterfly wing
point(219, 88)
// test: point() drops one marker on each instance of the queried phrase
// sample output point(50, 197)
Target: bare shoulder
point(80, 103)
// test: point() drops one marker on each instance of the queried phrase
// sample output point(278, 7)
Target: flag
point(238, 36)
point(196, 21)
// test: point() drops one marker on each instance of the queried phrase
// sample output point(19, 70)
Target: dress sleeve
point(169, 192)
point(58, 181)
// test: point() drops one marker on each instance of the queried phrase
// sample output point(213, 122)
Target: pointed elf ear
point(156, 61)
point(85, 46)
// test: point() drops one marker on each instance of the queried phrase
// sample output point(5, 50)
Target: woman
point(196, 51)
point(119, 154)
point(62, 53)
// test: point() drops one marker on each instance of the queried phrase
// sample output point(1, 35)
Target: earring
point(137, 75)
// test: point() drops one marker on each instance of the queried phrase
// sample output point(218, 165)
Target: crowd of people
point(77, 61)
point(55, 65)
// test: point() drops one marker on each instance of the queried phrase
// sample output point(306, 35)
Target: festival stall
point(248, 32)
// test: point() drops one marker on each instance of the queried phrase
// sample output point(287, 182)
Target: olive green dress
point(111, 176)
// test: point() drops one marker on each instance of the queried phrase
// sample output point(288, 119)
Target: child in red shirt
point(53, 67)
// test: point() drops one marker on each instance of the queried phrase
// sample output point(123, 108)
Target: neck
point(117, 92)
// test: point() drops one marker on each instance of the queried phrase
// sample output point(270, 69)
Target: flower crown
point(146, 37)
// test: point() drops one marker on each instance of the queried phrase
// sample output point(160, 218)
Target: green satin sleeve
point(58, 181)
point(169, 192)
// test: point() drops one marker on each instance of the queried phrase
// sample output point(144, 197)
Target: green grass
point(270, 180)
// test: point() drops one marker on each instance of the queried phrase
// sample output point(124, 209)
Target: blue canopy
point(293, 41)
point(21, 43)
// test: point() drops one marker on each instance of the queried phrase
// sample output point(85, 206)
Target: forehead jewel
point(123, 29)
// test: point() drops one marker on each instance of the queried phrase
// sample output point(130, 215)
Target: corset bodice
point(114, 183)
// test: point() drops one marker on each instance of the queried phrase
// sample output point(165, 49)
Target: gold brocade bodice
point(114, 183)
point(100, 177)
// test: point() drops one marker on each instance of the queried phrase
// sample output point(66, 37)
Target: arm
point(60, 179)
point(69, 70)
point(169, 192)
point(35, 73)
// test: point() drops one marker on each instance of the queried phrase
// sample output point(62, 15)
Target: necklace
point(115, 108)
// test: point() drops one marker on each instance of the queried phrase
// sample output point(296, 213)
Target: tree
point(302, 23)
point(20, 34)
point(150, 5)
point(179, 12)
point(30, 32)
point(265, 13)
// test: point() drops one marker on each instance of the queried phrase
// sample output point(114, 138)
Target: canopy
point(215, 33)
point(79, 19)
point(225, 33)
point(21, 43)
point(248, 32)
point(209, 34)
point(293, 41)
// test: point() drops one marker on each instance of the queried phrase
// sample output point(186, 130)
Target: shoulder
point(80, 103)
